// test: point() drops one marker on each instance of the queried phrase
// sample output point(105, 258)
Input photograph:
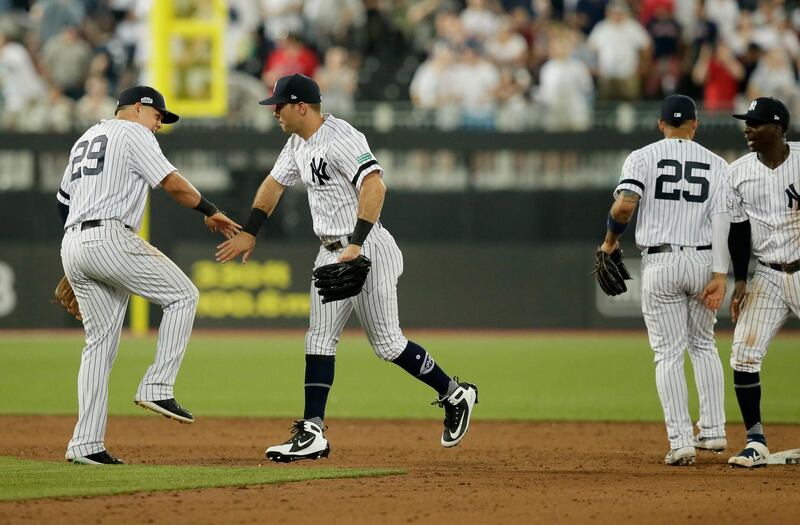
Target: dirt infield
point(502, 473)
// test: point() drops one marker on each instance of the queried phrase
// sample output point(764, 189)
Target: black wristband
point(254, 222)
point(360, 232)
point(206, 207)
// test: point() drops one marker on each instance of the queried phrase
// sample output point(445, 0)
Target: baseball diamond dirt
point(504, 472)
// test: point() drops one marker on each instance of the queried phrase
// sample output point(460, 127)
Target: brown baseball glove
point(65, 296)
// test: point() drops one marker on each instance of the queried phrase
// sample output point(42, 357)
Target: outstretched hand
point(714, 292)
point(219, 222)
point(241, 243)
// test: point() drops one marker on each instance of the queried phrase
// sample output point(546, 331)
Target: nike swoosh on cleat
point(301, 444)
point(460, 425)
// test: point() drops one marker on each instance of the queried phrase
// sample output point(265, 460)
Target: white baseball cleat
point(308, 442)
point(716, 445)
point(458, 408)
point(755, 454)
point(681, 456)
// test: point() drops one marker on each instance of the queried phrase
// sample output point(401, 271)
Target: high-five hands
point(241, 243)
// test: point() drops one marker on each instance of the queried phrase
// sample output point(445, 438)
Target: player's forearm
point(186, 194)
point(265, 202)
point(739, 246)
point(720, 257)
point(268, 195)
point(619, 216)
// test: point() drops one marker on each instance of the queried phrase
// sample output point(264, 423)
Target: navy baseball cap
point(146, 96)
point(767, 110)
point(292, 89)
point(675, 109)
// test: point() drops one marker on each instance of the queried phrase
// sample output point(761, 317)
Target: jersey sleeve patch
point(361, 159)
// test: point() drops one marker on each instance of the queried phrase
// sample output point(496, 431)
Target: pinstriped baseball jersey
point(109, 171)
point(105, 186)
point(770, 199)
point(681, 184)
point(332, 164)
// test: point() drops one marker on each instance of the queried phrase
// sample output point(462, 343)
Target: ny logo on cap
point(752, 105)
point(676, 115)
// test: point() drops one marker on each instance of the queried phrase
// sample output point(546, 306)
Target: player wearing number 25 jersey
point(682, 231)
point(102, 199)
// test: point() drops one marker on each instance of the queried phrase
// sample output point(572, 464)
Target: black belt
point(666, 248)
point(86, 225)
point(786, 268)
point(335, 245)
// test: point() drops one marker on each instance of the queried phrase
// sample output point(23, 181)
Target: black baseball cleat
point(458, 408)
point(308, 442)
point(98, 458)
point(168, 408)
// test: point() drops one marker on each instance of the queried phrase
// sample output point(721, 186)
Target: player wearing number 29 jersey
point(681, 193)
point(102, 198)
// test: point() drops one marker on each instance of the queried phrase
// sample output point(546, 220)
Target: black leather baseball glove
point(611, 272)
point(339, 281)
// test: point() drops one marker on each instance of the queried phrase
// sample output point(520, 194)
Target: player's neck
point(679, 134)
point(314, 124)
point(774, 156)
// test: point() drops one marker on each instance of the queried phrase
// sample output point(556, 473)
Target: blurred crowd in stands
point(480, 64)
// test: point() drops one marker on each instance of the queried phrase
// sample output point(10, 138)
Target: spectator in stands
point(622, 46)
point(52, 17)
point(20, 84)
point(291, 56)
point(507, 47)
point(96, 104)
point(55, 113)
point(477, 80)
point(719, 71)
point(774, 77)
point(587, 14)
point(480, 20)
point(338, 79)
point(281, 17)
point(662, 79)
point(332, 22)
point(65, 59)
point(450, 29)
point(565, 86)
point(742, 37)
point(648, 9)
point(749, 60)
point(725, 14)
point(433, 83)
point(513, 108)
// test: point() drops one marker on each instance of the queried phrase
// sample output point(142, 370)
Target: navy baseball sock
point(419, 363)
point(748, 394)
point(319, 379)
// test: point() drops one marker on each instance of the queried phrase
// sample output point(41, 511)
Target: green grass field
point(565, 376)
point(22, 479)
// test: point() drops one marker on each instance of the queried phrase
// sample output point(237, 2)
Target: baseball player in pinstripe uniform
point(765, 210)
point(345, 193)
point(682, 230)
point(102, 199)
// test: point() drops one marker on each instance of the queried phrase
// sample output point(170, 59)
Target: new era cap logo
point(776, 117)
point(293, 97)
point(146, 100)
point(676, 115)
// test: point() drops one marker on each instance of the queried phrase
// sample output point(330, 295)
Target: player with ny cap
point(682, 228)
point(765, 210)
point(102, 201)
point(345, 189)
